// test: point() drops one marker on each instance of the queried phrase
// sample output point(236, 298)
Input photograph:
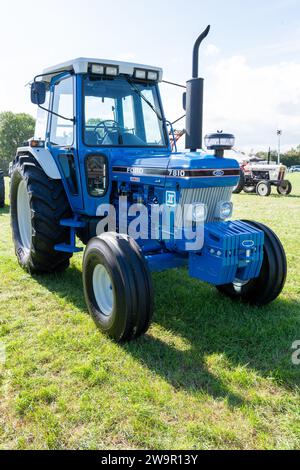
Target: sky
point(250, 61)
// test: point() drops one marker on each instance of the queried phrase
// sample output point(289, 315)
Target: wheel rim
point(262, 189)
point(24, 215)
point(249, 189)
point(103, 290)
point(238, 284)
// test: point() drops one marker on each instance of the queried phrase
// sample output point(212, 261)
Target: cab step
point(73, 224)
point(67, 248)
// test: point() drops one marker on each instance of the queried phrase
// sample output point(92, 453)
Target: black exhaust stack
point(194, 101)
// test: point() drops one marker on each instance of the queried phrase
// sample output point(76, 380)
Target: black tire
point(239, 187)
point(129, 310)
point(267, 287)
point(285, 188)
point(249, 189)
point(263, 188)
point(48, 204)
point(2, 189)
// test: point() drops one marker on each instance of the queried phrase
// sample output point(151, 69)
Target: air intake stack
point(219, 142)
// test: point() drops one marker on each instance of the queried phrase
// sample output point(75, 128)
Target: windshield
point(122, 113)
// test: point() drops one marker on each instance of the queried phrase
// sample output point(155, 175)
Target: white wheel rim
point(238, 284)
point(24, 215)
point(103, 290)
point(262, 189)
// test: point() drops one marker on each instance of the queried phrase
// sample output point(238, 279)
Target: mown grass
point(209, 374)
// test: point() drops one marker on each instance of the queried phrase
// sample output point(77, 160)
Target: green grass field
point(210, 373)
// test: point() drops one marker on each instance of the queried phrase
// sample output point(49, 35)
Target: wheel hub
point(103, 290)
point(263, 189)
point(238, 284)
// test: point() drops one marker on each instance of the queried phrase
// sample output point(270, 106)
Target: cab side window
point(62, 131)
point(42, 120)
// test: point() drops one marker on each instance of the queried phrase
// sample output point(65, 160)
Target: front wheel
point(270, 282)
point(117, 286)
point(263, 188)
point(285, 188)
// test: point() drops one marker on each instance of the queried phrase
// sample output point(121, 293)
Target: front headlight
point(200, 213)
point(224, 210)
point(195, 213)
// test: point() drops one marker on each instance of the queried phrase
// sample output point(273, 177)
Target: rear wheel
point(249, 189)
point(2, 189)
point(38, 203)
point(285, 188)
point(263, 188)
point(117, 286)
point(268, 285)
point(239, 187)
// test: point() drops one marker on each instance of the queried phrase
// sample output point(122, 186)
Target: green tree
point(14, 129)
point(291, 157)
point(264, 155)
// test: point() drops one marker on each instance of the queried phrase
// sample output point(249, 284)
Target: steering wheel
point(107, 128)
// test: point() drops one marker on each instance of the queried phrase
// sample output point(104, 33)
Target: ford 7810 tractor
point(102, 148)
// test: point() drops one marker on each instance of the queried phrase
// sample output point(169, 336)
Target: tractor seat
point(129, 139)
point(90, 138)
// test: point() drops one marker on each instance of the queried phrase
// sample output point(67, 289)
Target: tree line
point(14, 129)
point(289, 158)
point(17, 128)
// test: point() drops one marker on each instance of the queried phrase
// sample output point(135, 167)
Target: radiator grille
point(208, 196)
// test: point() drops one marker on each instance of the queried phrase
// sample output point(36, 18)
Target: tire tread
point(49, 205)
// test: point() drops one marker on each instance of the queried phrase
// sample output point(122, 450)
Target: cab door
point(61, 138)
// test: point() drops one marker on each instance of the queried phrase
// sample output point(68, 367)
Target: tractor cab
point(116, 105)
point(91, 112)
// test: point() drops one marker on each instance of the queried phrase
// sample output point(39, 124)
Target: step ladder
point(73, 224)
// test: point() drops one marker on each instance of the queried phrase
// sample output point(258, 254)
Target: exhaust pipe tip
point(194, 100)
point(195, 72)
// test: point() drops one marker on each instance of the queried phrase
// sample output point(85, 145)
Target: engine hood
point(189, 170)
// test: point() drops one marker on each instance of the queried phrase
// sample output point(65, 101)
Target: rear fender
point(44, 158)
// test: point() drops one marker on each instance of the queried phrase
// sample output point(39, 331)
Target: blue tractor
point(101, 168)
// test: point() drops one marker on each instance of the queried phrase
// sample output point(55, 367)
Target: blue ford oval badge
point(218, 173)
point(248, 243)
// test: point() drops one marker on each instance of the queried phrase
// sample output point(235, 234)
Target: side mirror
point(184, 100)
point(38, 92)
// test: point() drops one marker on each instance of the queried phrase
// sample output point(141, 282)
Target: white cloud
point(126, 57)
point(252, 102)
point(211, 50)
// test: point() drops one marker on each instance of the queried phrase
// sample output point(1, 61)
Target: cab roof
point(81, 65)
